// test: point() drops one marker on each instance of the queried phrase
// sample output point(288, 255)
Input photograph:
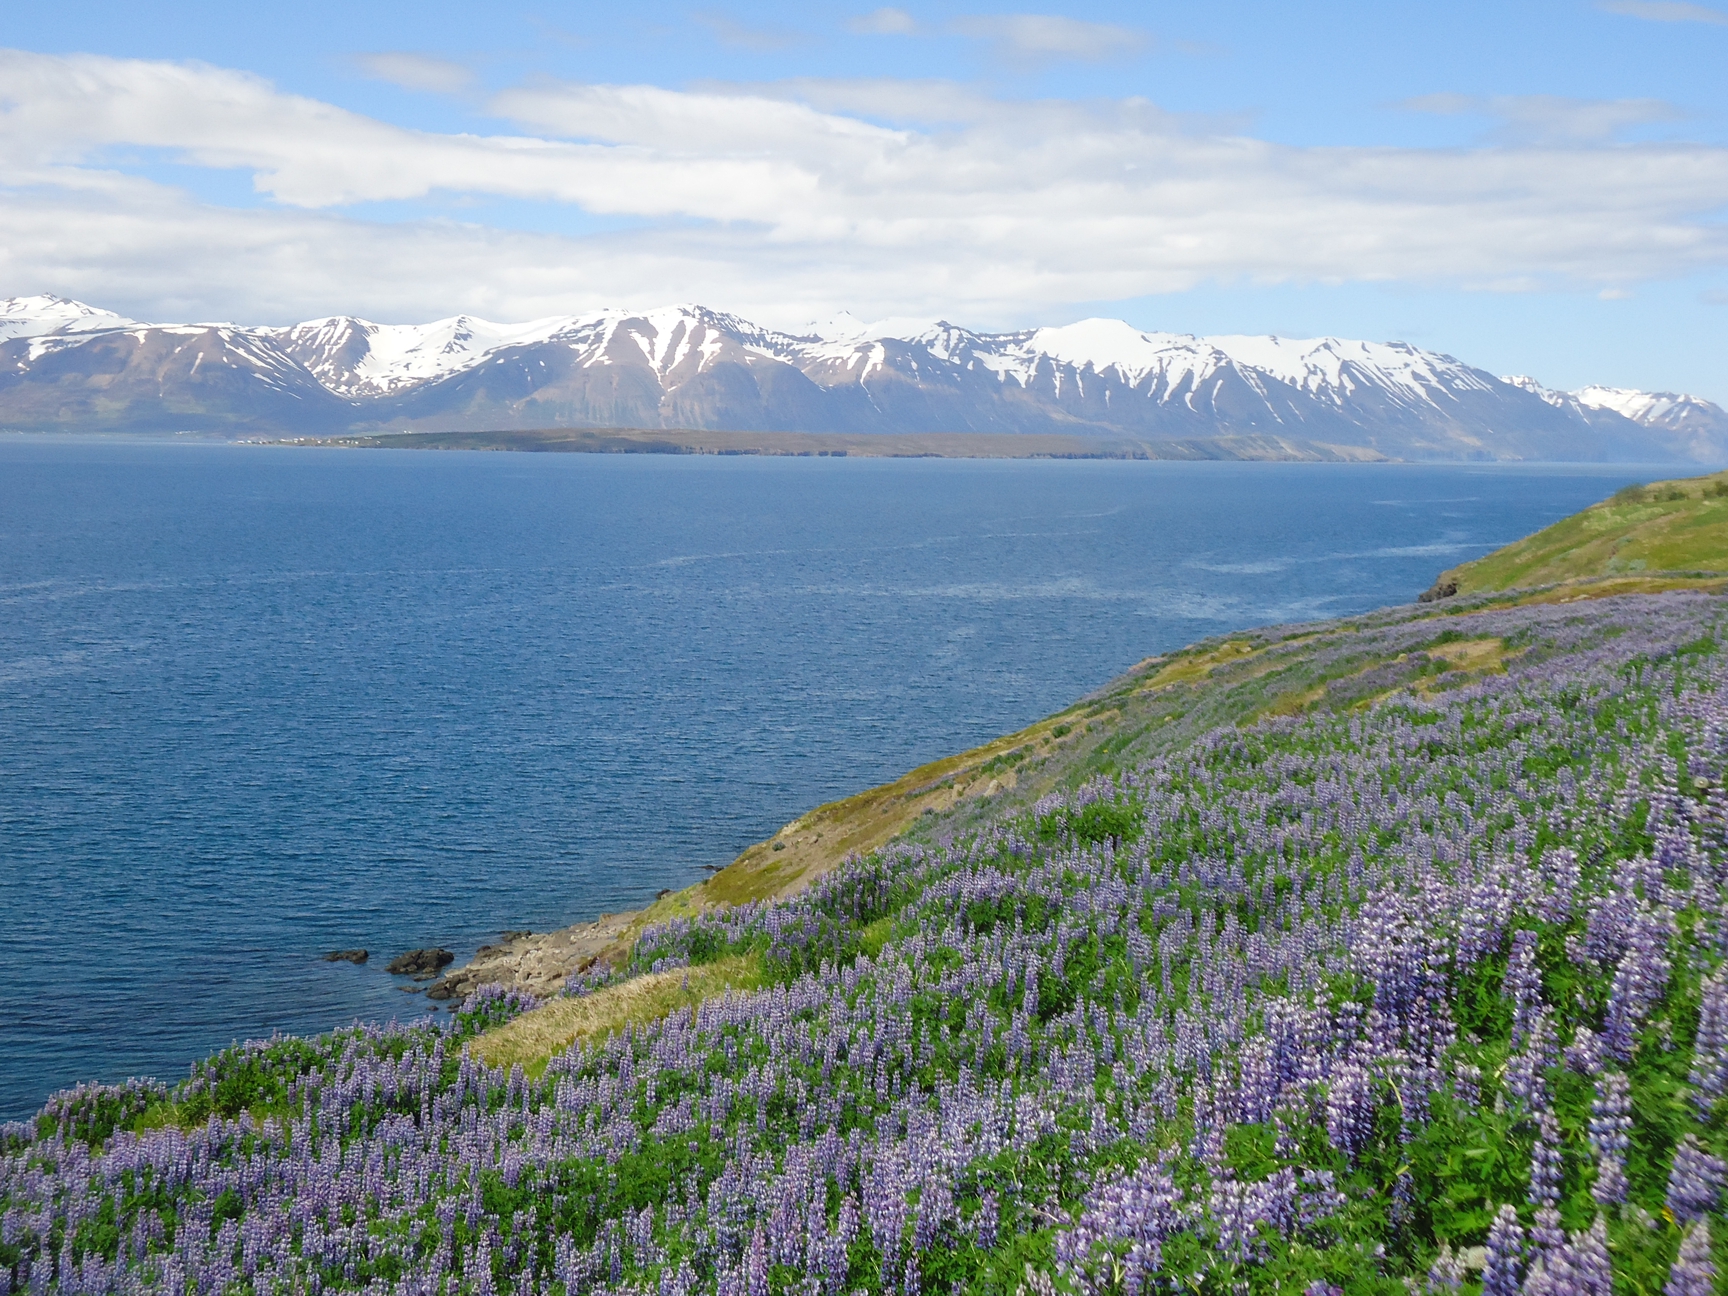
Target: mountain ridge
point(64, 364)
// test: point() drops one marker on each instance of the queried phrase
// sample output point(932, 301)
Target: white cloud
point(1665, 11)
point(884, 22)
point(1550, 119)
point(1022, 38)
point(729, 31)
point(786, 202)
point(416, 71)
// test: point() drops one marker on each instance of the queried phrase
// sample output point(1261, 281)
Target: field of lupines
point(1423, 992)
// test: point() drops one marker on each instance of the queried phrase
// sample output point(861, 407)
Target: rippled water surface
point(259, 703)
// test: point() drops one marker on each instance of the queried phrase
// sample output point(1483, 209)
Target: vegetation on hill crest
point(1645, 538)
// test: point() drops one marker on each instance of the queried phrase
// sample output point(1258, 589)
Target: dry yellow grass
point(1190, 667)
point(1471, 654)
point(536, 1037)
point(1289, 704)
point(1595, 587)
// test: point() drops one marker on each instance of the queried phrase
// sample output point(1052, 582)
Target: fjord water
point(259, 703)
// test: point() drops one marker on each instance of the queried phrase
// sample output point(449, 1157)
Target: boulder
point(421, 962)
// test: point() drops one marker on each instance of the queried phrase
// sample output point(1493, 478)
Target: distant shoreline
point(867, 445)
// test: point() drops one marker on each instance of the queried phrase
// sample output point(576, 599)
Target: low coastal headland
point(868, 445)
point(1379, 955)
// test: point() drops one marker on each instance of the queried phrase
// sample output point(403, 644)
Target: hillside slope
point(1374, 956)
point(1645, 536)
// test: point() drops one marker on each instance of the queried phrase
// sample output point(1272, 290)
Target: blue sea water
point(258, 703)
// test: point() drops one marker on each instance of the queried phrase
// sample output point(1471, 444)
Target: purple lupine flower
point(1546, 1163)
point(756, 1265)
point(1546, 1236)
point(1525, 1079)
point(1467, 1084)
point(1523, 985)
point(1350, 1109)
point(1446, 1274)
point(1639, 981)
point(1694, 1181)
point(1710, 1051)
point(1584, 1053)
point(1504, 1265)
point(836, 1248)
point(985, 1223)
point(1122, 1224)
point(1592, 1274)
point(1610, 1135)
point(1610, 1187)
point(1694, 1270)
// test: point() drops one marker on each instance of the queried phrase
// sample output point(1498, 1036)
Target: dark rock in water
point(1440, 589)
point(346, 956)
point(442, 989)
point(421, 962)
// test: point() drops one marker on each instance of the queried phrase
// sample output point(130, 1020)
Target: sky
point(1535, 188)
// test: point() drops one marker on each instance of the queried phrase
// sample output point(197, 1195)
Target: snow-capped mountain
point(1701, 424)
point(64, 364)
point(1693, 427)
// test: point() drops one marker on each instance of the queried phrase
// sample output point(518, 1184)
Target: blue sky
point(1537, 188)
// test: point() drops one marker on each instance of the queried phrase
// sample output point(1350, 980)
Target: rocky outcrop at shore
point(535, 962)
point(1443, 588)
point(422, 963)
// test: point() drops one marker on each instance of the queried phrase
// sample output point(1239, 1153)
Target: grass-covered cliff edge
point(1665, 535)
point(1375, 956)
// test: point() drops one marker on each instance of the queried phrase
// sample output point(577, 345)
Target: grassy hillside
point(1161, 705)
point(1645, 537)
point(1372, 957)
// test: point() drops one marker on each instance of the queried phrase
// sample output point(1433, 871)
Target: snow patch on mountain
point(1652, 409)
point(45, 313)
point(355, 357)
point(1335, 368)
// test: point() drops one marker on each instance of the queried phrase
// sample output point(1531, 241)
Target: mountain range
point(65, 365)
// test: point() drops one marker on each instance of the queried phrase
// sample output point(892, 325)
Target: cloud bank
point(1671, 11)
point(782, 202)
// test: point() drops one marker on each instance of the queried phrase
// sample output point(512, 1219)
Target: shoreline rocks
point(354, 956)
point(1442, 588)
point(536, 962)
point(422, 964)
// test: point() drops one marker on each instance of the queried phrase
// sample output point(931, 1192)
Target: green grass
point(1641, 535)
